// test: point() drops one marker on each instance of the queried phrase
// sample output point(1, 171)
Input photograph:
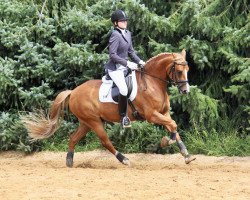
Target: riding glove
point(142, 62)
point(132, 65)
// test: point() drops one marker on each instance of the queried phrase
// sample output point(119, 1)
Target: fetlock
point(69, 158)
point(172, 139)
point(182, 147)
point(184, 152)
point(122, 158)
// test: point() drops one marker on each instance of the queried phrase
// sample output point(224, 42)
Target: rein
point(172, 70)
point(142, 71)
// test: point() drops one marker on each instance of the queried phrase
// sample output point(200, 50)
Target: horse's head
point(169, 67)
point(178, 72)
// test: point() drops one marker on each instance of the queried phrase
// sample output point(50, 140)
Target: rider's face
point(122, 24)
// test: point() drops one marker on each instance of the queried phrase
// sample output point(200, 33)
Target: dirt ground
point(98, 175)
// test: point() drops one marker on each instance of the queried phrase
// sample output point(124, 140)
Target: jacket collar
point(123, 35)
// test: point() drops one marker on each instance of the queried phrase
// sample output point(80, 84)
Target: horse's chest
point(159, 104)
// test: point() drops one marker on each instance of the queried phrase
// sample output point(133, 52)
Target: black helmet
point(118, 15)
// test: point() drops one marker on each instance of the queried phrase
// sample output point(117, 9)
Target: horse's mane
point(158, 55)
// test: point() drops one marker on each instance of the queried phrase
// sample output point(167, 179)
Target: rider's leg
point(119, 79)
point(123, 105)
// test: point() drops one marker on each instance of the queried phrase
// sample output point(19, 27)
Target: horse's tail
point(39, 126)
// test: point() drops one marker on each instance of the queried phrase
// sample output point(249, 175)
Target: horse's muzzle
point(183, 92)
point(184, 88)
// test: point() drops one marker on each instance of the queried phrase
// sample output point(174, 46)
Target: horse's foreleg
point(188, 158)
point(165, 120)
point(171, 126)
point(97, 126)
point(168, 123)
point(74, 139)
point(166, 141)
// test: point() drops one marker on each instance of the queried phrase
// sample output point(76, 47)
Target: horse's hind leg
point(97, 126)
point(74, 139)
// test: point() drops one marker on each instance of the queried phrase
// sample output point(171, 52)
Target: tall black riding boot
point(123, 105)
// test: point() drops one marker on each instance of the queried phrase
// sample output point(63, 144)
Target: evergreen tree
point(52, 45)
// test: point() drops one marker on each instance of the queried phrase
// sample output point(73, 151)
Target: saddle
point(109, 92)
point(115, 91)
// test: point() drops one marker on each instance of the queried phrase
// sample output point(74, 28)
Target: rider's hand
point(132, 65)
point(142, 63)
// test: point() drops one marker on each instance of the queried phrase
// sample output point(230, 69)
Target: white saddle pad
point(106, 87)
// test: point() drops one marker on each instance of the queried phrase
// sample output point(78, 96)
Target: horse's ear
point(183, 53)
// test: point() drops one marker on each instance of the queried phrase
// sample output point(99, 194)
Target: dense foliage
point(47, 46)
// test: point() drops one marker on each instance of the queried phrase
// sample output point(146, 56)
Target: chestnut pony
point(152, 103)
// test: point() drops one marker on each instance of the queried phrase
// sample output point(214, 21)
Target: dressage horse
point(151, 102)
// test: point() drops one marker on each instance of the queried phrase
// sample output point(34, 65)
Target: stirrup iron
point(125, 122)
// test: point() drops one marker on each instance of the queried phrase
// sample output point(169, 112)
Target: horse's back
point(84, 95)
point(88, 86)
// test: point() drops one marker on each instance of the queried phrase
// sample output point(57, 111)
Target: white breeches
point(118, 77)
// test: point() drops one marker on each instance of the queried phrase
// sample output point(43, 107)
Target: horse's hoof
point(157, 149)
point(69, 159)
point(122, 159)
point(126, 162)
point(189, 159)
point(69, 162)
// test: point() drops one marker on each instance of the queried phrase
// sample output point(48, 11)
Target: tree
point(53, 45)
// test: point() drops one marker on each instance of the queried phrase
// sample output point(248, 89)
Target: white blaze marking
point(187, 85)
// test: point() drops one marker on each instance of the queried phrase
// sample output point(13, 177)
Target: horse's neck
point(158, 67)
point(155, 77)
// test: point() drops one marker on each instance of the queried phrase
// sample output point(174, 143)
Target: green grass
point(224, 140)
point(56, 143)
point(218, 144)
point(143, 137)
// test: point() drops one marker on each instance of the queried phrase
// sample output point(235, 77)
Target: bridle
point(174, 73)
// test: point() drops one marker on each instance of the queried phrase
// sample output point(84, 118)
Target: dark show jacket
point(120, 48)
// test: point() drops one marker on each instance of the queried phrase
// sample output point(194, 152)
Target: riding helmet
point(118, 15)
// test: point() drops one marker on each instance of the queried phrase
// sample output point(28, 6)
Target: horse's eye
point(179, 73)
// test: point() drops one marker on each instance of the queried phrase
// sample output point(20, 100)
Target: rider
point(120, 48)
